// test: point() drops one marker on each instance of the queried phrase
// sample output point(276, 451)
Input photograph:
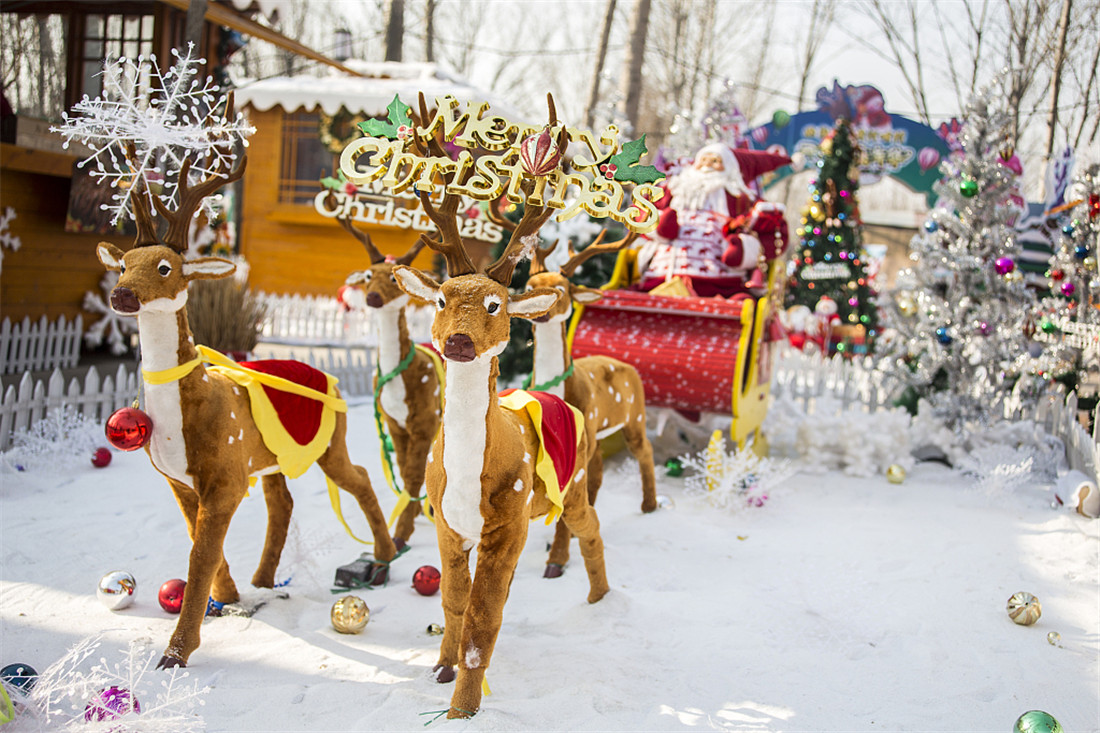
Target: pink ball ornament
point(128, 429)
point(1004, 265)
point(170, 595)
point(1068, 288)
point(426, 580)
point(111, 702)
point(101, 458)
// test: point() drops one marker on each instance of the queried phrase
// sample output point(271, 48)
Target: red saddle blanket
point(300, 416)
point(559, 433)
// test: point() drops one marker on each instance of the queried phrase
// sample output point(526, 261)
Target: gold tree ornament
point(1024, 608)
point(350, 615)
point(895, 474)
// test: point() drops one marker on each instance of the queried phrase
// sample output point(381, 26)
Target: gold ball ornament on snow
point(350, 615)
point(1053, 638)
point(1024, 608)
point(895, 474)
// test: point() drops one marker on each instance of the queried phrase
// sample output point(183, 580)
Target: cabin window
point(305, 159)
point(109, 36)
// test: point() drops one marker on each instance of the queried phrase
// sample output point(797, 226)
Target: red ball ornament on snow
point(128, 428)
point(170, 595)
point(101, 458)
point(426, 580)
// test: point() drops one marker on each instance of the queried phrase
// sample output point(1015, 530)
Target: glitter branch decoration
point(168, 116)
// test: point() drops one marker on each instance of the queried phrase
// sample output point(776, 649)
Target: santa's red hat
point(756, 163)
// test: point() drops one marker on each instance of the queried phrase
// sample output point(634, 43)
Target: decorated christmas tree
point(829, 261)
point(960, 313)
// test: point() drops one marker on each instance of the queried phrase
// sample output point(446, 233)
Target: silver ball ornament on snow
point(116, 590)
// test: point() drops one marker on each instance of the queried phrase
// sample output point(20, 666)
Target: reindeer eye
point(121, 267)
point(393, 278)
point(492, 303)
point(366, 276)
point(442, 303)
point(164, 268)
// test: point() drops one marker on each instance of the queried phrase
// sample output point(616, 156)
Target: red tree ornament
point(128, 428)
point(426, 580)
point(539, 154)
point(101, 458)
point(1094, 205)
point(170, 595)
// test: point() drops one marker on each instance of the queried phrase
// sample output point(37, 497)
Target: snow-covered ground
point(843, 603)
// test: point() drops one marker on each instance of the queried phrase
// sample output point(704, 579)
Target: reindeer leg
point(411, 465)
point(497, 557)
point(454, 586)
point(642, 450)
point(279, 507)
point(559, 548)
point(581, 518)
point(205, 562)
point(337, 465)
point(224, 589)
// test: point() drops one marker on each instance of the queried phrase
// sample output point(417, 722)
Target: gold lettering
point(454, 128)
point(379, 151)
point(403, 170)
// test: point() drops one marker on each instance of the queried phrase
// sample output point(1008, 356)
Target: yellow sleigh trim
point(520, 401)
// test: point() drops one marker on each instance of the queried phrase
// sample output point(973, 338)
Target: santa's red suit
point(715, 241)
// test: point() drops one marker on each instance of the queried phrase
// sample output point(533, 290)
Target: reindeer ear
point(533, 303)
point(416, 283)
point(586, 295)
point(208, 268)
point(109, 255)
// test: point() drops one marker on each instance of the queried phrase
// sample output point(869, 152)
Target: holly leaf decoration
point(334, 184)
point(626, 164)
point(398, 117)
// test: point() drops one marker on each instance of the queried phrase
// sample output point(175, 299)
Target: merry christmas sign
point(495, 156)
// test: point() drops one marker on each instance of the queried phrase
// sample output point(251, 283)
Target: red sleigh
point(693, 354)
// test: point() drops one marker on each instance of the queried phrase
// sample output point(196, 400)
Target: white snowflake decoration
point(998, 468)
point(65, 439)
point(112, 326)
point(165, 130)
point(733, 480)
point(62, 692)
point(7, 239)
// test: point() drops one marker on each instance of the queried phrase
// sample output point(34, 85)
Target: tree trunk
point(1056, 81)
point(193, 30)
point(632, 63)
point(395, 30)
point(601, 56)
point(429, 31)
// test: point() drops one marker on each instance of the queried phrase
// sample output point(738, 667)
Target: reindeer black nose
point(459, 347)
point(374, 300)
point(123, 300)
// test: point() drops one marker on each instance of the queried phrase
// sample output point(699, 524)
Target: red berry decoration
point(426, 580)
point(101, 458)
point(170, 595)
point(128, 428)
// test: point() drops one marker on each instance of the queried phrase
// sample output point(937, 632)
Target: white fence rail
point(854, 383)
point(307, 320)
point(33, 399)
point(30, 346)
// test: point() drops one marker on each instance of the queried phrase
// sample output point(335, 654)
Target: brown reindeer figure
point(486, 474)
point(409, 398)
point(205, 439)
point(608, 392)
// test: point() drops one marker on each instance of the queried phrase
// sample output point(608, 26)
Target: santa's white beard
point(697, 190)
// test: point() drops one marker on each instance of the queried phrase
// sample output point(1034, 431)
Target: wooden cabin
point(302, 125)
point(55, 264)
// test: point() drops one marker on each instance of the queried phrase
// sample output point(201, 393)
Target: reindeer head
point(153, 276)
point(544, 278)
point(378, 282)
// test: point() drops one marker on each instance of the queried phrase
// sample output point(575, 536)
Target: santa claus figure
point(713, 232)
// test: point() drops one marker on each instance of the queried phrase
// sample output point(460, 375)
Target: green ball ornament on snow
point(1037, 721)
point(969, 188)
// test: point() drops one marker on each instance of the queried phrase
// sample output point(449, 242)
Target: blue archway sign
point(891, 145)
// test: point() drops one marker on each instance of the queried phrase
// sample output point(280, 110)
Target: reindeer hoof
point(379, 574)
point(443, 673)
point(553, 570)
point(167, 662)
point(399, 543)
point(649, 506)
point(457, 713)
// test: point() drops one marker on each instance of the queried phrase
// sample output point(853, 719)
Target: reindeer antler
point(139, 200)
point(597, 247)
point(190, 197)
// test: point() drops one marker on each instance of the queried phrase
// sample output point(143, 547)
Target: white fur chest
point(392, 397)
point(549, 356)
point(464, 421)
point(167, 447)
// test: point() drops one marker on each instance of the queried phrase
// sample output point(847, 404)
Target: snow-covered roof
point(369, 94)
point(268, 8)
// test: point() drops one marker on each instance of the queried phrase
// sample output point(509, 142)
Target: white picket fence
point(854, 383)
point(316, 320)
point(33, 399)
point(30, 346)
